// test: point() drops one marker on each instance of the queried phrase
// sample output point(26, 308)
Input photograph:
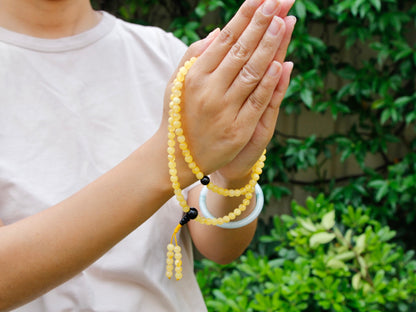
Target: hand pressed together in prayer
point(233, 92)
point(231, 99)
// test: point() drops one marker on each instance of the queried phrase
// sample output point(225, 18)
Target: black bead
point(192, 213)
point(185, 219)
point(205, 180)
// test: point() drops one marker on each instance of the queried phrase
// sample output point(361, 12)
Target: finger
point(246, 45)
point(197, 48)
point(194, 50)
point(1, 223)
point(282, 86)
point(286, 6)
point(253, 71)
point(222, 45)
point(266, 126)
point(290, 22)
point(253, 109)
point(255, 146)
point(269, 117)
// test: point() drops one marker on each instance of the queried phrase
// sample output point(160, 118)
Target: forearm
point(42, 251)
point(216, 243)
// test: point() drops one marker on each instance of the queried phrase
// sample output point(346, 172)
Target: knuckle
point(194, 82)
point(240, 51)
point(226, 37)
point(260, 20)
point(256, 101)
point(195, 49)
point(268, 44)
point(269, 136)
point(190, 80)
point(235, 139)
point(194, 46)
point(274, 105)
point(249, 75)
point(275, 102)
point(247, 10)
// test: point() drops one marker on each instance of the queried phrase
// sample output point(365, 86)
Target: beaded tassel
point(175, 250)
point(175, 131)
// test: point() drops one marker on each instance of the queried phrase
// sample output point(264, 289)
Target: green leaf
point(335, 264)
point(363, 266)
point(376, 4)
point(403, 54)
point(348, 236)
point(356, 281)
point(300, 9)
point(313, 8)
point(378, 279)
point(328, 220)
point(308, 225)
point(201, 10)
point(307, 97)
point(382, 187)
point(345, 256)
point(360, 244)
point(382, 191)
point(321, 238)
point(411, 117)
point(401, 101)
point(385, 115)
point(377, 104)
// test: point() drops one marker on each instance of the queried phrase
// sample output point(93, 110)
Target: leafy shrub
point(317, 264)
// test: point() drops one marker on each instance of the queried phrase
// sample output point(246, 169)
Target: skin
point(265, 81)
point(237, 85)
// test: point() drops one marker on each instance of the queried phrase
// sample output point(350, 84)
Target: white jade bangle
point(233, 224)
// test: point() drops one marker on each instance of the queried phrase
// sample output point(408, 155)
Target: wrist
point(230, 182)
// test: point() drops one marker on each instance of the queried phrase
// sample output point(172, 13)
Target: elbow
point(223, 256)
point(224, 261)
point(6, 302)
point(228, 256)
point(4, 305)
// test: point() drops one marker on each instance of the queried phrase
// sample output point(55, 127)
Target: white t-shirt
point(71, 109)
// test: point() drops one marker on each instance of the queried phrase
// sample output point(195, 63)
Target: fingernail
point(274, 26)
point(253, 3)
point(269, 7)
point(212, 33)
point(293, 19)
point(274, 68)
point(291, 66)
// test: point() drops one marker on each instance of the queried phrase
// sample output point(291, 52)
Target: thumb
point(194, 50)
point(197, 48)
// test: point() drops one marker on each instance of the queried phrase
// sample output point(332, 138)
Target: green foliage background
point(376, 93)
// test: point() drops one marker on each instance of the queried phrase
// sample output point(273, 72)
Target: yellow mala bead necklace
point(176, 135)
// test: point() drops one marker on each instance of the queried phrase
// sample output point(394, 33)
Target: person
point(85, 197)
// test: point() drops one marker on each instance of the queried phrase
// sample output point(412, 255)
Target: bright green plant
point(318, 264)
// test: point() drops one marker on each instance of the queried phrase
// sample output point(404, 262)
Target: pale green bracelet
point(234, 224)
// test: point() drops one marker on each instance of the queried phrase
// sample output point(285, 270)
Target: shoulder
point(152, 39)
